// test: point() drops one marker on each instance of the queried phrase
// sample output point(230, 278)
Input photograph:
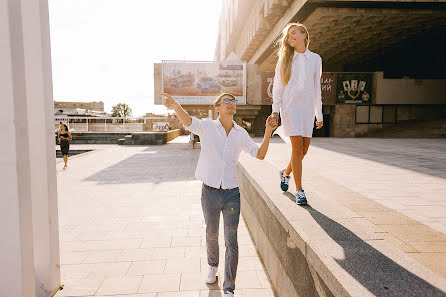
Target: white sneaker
point(229, 294)
point(211, 276)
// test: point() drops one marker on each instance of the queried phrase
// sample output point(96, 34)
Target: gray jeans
point(214, 201)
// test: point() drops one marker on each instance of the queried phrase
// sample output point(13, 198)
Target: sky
point(104, 50)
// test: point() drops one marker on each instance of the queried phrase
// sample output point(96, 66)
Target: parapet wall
point(322, 249)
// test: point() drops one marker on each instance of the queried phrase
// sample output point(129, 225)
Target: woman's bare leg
point(307, 141)
point(296, 160)
point(65, 159)
point(306, 145)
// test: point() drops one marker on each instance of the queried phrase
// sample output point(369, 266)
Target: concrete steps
point(71, 152)
point(149, 138)
point(97, 137)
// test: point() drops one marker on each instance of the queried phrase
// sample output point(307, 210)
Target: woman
point(297, 95)
point(64, 138)
point(193, 139)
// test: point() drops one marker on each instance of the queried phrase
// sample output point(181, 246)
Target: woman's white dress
point(300, 100)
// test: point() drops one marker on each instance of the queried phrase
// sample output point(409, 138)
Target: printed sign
point(198, 83)
point(354, 87)
point(160, 126)
point(328, 88)
point(267, 87)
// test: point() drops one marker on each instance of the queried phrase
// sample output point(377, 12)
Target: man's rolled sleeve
point(250, 146)
point(195, 127)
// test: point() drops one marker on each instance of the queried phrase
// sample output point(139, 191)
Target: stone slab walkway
point(406, 175)
point(131, 225)
point(395, 187)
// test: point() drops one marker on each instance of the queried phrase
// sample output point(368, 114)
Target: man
point(221, 143)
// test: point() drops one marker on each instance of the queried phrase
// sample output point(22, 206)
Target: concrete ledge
point(97, 137)
point(320, 249)
point(71, 153)
point(171, 135)
point(136, 138)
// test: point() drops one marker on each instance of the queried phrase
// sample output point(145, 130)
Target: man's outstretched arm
point(270, 126)
point(182, 115)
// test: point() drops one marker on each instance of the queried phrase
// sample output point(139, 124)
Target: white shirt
point(220, 153)
point(300, 100)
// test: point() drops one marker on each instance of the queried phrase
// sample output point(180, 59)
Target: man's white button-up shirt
point(219, 153)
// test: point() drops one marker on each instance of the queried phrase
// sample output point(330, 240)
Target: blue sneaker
point(284, 180)
point(300, 198)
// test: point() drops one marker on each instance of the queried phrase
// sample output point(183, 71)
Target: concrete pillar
point(29, 249)
point(37, 56)
point(16, 231)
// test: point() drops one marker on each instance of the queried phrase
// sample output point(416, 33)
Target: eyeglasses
point(227, 100)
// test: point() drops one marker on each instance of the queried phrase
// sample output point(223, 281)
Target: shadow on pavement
point(375, 271)
point(420, 155)
point(155, 164)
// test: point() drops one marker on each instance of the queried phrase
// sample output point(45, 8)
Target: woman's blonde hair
point(286, 51)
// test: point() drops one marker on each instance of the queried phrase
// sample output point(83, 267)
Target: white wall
point(29, 245)
point(37, 55)
point(410, 91)
point(16, 245)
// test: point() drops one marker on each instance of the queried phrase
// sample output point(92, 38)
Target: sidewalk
point(131, 225)
point(395, 187)
point(406, 175)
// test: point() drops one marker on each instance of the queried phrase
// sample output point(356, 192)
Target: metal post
point(87, 124)
point(105, 125)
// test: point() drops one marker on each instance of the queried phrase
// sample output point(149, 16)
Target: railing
point(109, 124)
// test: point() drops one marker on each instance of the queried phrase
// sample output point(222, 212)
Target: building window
point(389, 114)
point(376, 114)
point(362, 114)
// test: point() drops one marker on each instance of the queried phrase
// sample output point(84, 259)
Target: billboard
point(267, 87)
point(354, 88)
point(328, 88)
point(198, 83)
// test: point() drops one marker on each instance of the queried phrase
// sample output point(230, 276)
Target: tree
point(121, 110)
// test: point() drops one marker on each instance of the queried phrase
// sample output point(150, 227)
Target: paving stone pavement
point(406, 175)
point(131, 225)
point(395, 187)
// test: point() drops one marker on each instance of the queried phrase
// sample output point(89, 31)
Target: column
point(42, 163)
point(16, 231)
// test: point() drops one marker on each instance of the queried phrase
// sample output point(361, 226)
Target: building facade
point(393, 48)
point(93, 106)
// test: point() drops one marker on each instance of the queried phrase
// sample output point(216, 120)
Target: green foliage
point(121, 110)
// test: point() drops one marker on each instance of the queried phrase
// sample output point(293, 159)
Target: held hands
point(169, 102)
point(271, 124)
point(275, 117)
point(319, 125)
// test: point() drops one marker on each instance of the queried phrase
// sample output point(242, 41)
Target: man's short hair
point(220, 98)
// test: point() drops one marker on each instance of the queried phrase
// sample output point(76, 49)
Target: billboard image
point(354, 87)
point(199, 83)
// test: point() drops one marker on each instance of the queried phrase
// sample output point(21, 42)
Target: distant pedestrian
point(64, 138)
point(193, 139)
point(297, 95)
